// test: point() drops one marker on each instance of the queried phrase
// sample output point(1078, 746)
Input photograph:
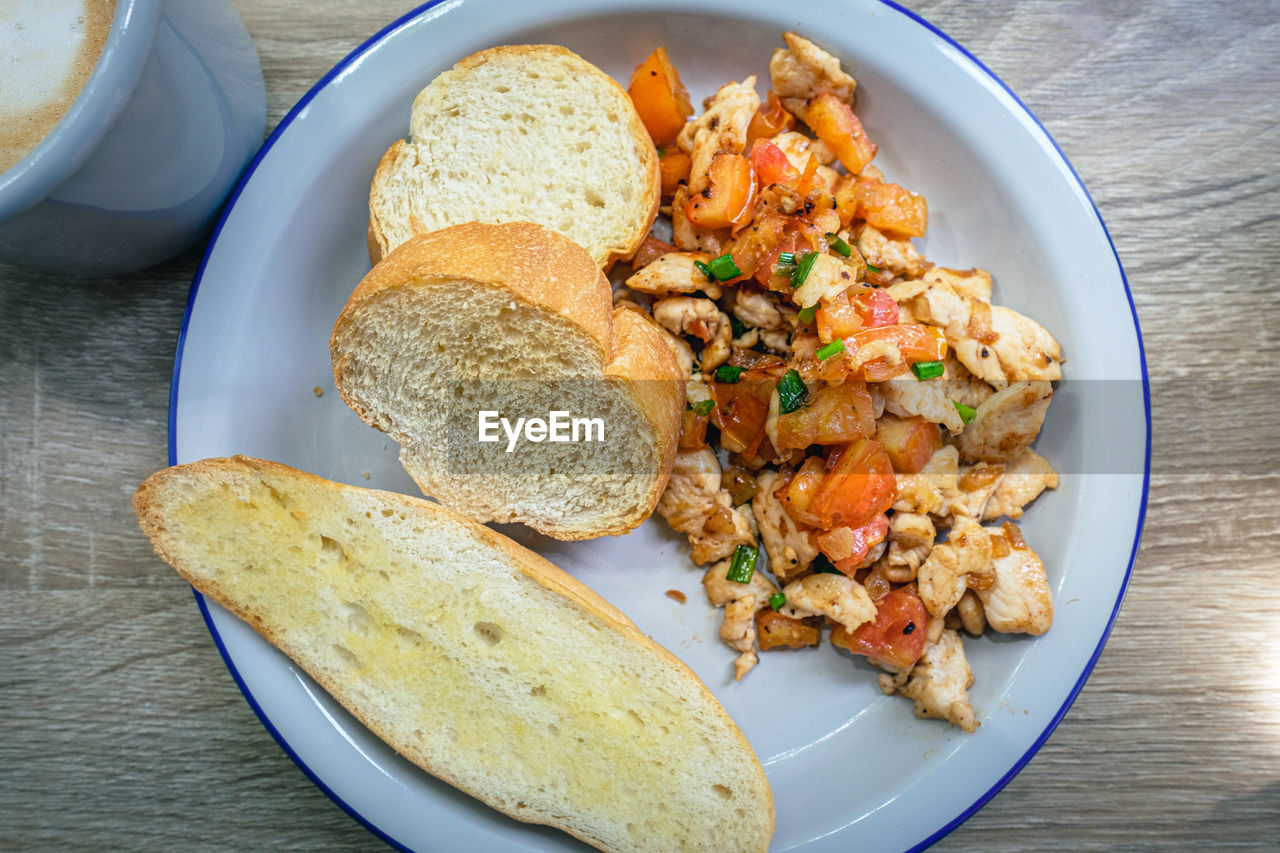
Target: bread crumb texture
point(439, 333)
point(461, 658)
point(521, 133)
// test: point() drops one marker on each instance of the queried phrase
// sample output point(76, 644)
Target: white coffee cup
point(142, 160)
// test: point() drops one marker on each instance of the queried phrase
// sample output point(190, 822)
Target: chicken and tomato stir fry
point(876, 411)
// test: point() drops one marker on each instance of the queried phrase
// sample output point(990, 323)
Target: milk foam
point(48, 49)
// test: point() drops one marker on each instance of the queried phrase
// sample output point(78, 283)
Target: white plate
point(849, 766)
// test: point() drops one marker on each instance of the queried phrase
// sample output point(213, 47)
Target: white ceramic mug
point(137, 168)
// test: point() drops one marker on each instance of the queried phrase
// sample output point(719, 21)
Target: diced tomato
point(797, 492)
point(772, 165)
point(774, 630)
point(754, 244)
point(650, 250)
point(769, 120)
point(810, 180)
point(857, 488)
point(768, 273)
point(916, 342)
point(898, 634)
point(728, 198)
point(839, 317)
point(674, 165)
point(910, 442)
point(693, 429)
point(833, 121)
point(836, 414)
point(660, 98)
point(847, 547)
point(889, 207)
point(741, 410)
point(876, 308)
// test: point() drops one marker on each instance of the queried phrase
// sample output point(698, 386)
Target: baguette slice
point(521, 132)
point(512, 319)
point(470, 655)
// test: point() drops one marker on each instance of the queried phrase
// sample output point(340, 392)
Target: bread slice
point(517, 320)
point(470, 655)
point(521, 132)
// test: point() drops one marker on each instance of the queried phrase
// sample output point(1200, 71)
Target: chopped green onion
point(807, 315)
point(873, 268)
point(739, 328)
point(728, 373)
point(834, 348)
point(786, 259)
point(967, 413)
point(928, 369)
point(791, 392)
point(777, 600)
point(661, 151)
point(703, 407)
point(803, 265)
point(743, 565)
point(705, 270)
point(723, 268)
point(838, 245)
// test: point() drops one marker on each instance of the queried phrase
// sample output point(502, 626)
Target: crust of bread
point(542, 269)
point(153, 503)
point(538, 266)
point(643, 212)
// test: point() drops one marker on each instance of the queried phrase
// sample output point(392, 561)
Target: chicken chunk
point(797, 147)
point(963, 561)
point(789, 549)
point(674, 272)
point(721, 591)
point(702, 318)
point(738, 631)
point(923, 492)
point(828, 278)
point(756, 309)
point(1018, 600)
point(907, 396)
point(687, 236)
point(962, 386)
point(1022, 349)
point(895, 256)
point(723, 127)
point(841, 599)
point(1006, 423)
point(975, 484)
point(940, 683)
point(996, 344)
point(1023, 481)
point(911, 536)
point(694, 504)
point(683, 354)
point(973, 283)
point(803, 70)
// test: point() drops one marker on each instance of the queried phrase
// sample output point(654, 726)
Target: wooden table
point(119, 725)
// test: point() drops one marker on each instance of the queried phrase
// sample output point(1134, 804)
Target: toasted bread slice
point(520, 132)
point(516, 321)
point(470, 655)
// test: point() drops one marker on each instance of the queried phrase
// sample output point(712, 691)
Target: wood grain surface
point(121, 729)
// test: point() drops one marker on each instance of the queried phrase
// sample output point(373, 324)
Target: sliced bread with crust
point(471, 656)
point(521, 132)
point(516, 321)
